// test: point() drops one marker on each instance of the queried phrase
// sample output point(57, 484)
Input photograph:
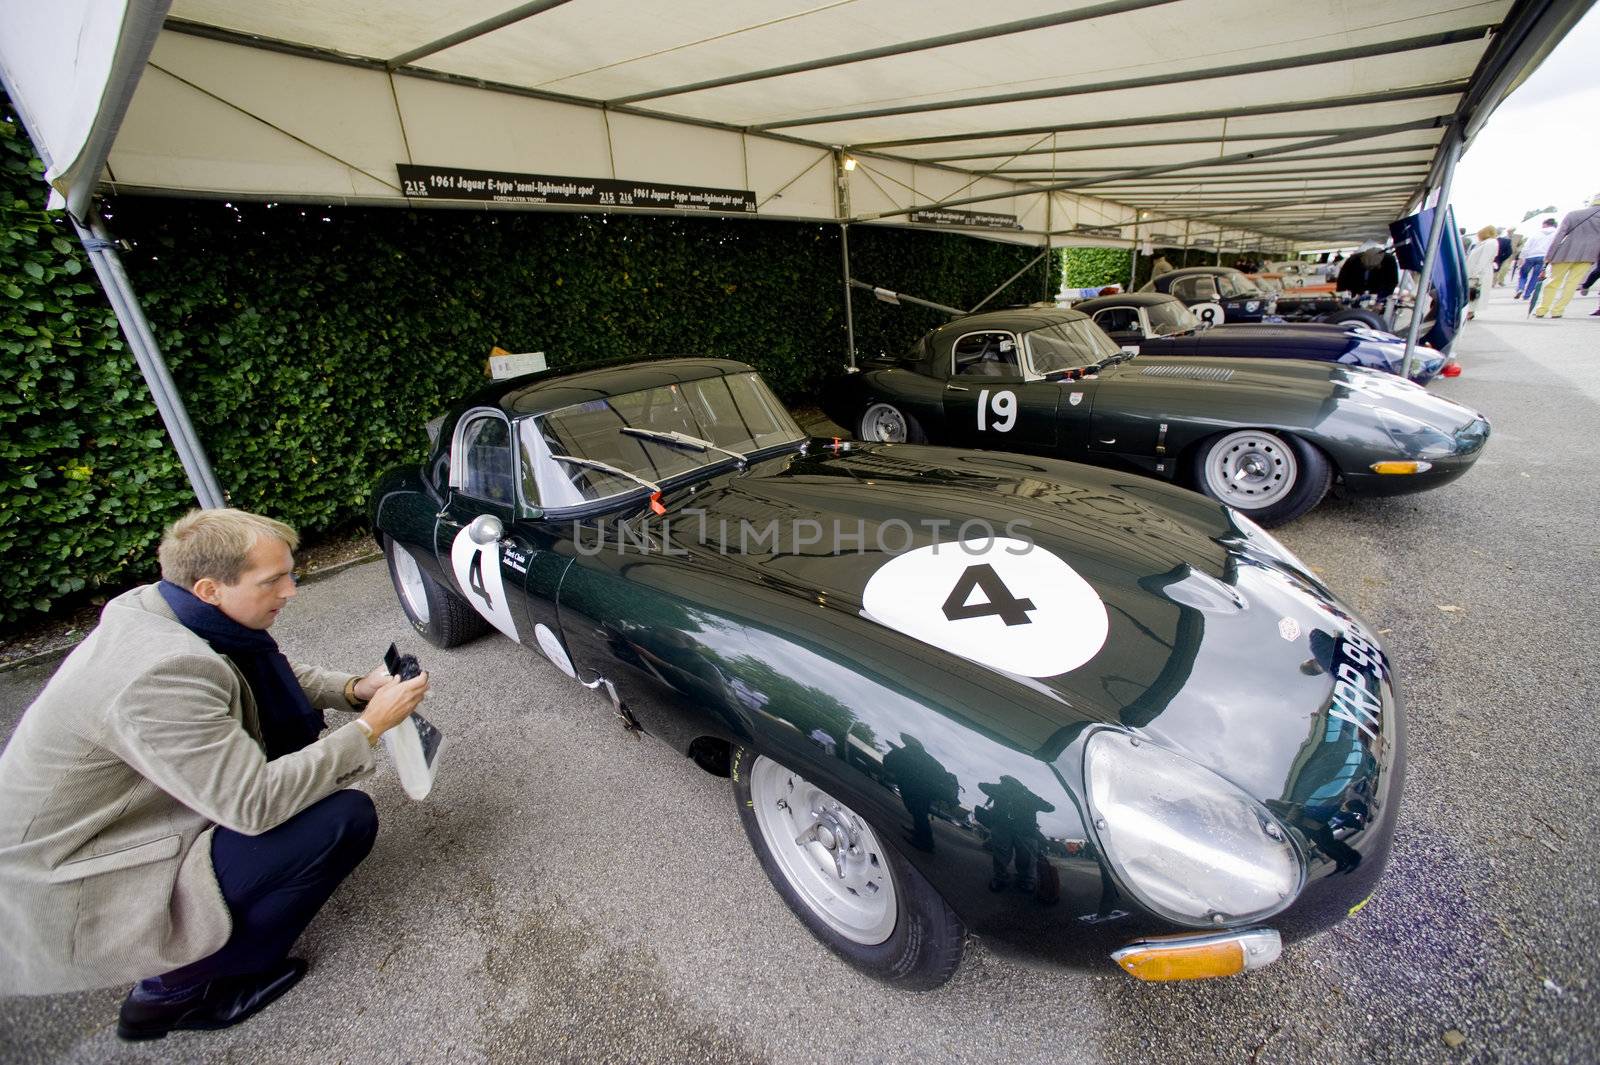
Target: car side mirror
point(486, 529)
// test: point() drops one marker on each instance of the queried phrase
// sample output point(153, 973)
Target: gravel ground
point(572, 893)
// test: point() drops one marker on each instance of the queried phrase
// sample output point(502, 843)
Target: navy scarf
point(288, 720)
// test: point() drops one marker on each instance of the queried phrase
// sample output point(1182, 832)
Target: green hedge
point(1093, 267)
point(311, 343)
point(86, 474)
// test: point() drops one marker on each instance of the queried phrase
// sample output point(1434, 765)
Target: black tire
point(913, 431)
point(1357, 316)
point(924, 948)
point(1267, 502)
point(450, 620)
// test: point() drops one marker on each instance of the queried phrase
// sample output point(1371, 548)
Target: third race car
point(1155, 323)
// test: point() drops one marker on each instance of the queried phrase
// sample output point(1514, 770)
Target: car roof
point(1138, 299)
point(1191, 270)
point(1013, 319)
point(541, 393)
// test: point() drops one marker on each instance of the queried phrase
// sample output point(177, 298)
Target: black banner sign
point(935, 216)
point(1113, 232)
point(495, 186)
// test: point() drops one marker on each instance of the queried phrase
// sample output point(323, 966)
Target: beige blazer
point(143, 741)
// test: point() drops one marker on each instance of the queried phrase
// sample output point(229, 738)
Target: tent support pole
point(1007, 282)
point(1133, 256)
point(114, 280)
point(849, 312)
point(1452, 150)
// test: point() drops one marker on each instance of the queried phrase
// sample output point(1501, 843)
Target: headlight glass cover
point(1414, 436)
point(1185, 842)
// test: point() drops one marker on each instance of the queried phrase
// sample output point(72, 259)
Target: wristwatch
point(350, 694)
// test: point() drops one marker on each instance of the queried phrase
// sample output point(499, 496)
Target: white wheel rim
point(409, 578)
point(1251, 469)
point(827, 854)
point(884, 423)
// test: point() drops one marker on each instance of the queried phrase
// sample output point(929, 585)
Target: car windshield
point(1068, 345)
point(1169, 317)
point(736, 413)
point(1236, 284)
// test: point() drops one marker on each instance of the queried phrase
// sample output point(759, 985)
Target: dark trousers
point(276, 882)
point(1529, 275)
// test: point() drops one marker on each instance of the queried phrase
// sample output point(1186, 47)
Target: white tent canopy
point(1255, 122)
point(1248, 123)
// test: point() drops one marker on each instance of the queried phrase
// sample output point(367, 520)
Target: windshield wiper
point(608, 468)
point(1109, 360)
point(694, 443)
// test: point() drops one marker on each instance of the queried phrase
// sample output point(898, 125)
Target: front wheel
point(1272, 478)
point(861, 899)
point(886, 423)
point(443, 618)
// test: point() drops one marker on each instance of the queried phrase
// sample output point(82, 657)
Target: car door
point(989, 402)
point(490, 572)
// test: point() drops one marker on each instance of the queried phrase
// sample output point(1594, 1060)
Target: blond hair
point(215, 543)
point(1486, 232)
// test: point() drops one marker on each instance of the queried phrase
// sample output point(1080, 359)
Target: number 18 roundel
point(1003, 603)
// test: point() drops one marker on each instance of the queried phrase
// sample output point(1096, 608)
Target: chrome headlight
point(1185, 842)
point(1267, 543)
point(1415, 436)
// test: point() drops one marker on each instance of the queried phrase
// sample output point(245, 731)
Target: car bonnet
point(1182, 623)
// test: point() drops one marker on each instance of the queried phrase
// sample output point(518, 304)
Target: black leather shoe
point(223, 1004)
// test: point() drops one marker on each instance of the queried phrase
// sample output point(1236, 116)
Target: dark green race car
point(1081, 714)
point(1268, 439)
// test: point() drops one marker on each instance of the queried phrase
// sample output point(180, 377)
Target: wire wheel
point(408, 580)
point(884, 423)
point(1250, 469)
point(828, 854)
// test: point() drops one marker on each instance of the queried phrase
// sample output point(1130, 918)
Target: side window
point(487, 469)
point(987, 355)
point(1195, 289)
point(1118, 320)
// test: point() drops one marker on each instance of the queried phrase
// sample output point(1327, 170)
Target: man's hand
point(393, 703)
point(369, 685)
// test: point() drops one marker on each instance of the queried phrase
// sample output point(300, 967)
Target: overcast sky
point(1542, 146)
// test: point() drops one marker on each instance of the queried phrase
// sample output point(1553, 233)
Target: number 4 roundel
point(1003, 603)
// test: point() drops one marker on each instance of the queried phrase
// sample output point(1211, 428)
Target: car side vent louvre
point(1196, 373)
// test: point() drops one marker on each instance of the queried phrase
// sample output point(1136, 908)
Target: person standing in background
point(1583, 289)
point(1573, 251)
point(1502, 253)
point(1533, 258)
point(1480, 268)
point(1506, 266)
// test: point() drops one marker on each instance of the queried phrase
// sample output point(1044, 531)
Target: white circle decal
point(550, 644)
point(1002, 603)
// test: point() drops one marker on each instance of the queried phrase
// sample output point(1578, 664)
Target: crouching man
point(168, 814)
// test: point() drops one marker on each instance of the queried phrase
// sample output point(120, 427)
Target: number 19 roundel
point(1002, 603)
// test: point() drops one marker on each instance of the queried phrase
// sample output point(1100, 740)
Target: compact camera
point(403, 666)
